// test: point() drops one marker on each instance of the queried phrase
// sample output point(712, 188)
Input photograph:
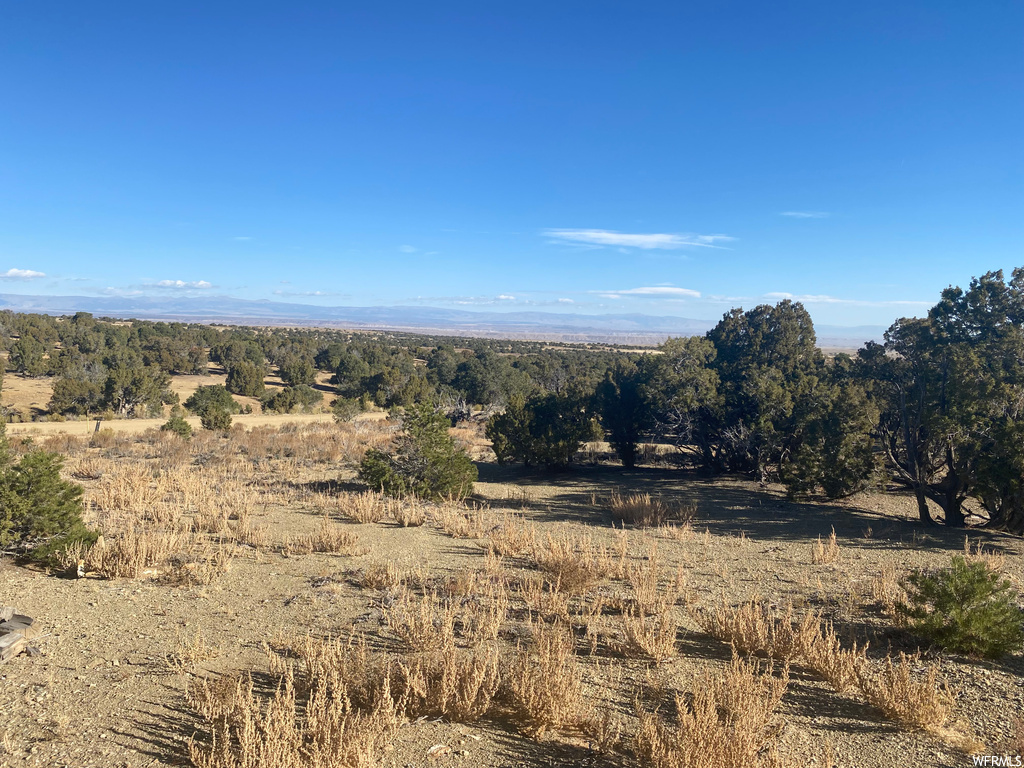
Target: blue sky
point(665, 158)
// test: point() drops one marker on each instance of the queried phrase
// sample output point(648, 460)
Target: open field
point(533, 572)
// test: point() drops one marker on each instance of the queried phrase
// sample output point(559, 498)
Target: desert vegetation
point(933, 411)
point(469, 575)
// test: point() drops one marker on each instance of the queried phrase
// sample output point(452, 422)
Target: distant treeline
point(936, 409)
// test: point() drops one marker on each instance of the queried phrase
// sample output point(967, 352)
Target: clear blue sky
point(669, 158)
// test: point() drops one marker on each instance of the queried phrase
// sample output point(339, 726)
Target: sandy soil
point(104, 691)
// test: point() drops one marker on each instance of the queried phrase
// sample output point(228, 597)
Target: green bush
point(212, 396)
point(35, 502)
point(546, 429)
point(346, 408)
point(178, 426)
point(291, 398)
point(967, 608)
point(427, 462)
point(215, 419)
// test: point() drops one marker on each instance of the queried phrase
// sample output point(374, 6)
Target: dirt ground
point(107, 687)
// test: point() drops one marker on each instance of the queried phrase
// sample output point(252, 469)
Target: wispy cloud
point(651, 291)
point(806, 214)
point(811, 298)
point(21, 274)
point(242, 238)
point(566, 301)
point(646, 241)
point(308, 293)
point(185, 285)
point(408, 248)
point(506, 297)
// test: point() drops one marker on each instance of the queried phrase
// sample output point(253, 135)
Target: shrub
point(287, 399)
point(346, 408)
point(245, 379)
point(967, 608)
point(178, 426)
point(35, 502)
point(212, 396)
point(546, 430)
point(427, 463)
point(216, 419)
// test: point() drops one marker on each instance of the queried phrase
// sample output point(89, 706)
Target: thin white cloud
point(806, 214)
point(506, 297)
point(308, 293)
point(566, 301)
point(21, 274)
point(810, 298)
point(407, 248)
point(648, 241)
point(653, 291)
point(242, 238)
point(184, 284)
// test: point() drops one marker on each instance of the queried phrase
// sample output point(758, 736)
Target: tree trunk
point(954, 510)
point(923, 513)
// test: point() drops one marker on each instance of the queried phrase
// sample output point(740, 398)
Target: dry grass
point(321, 720)
point(366, 507)
point(651, 638)
point(573, 563)
point(755, 628)
point(459, 522)
point(893, 689)
point(409, 513)
point(726, 722)
point(544, 684)
point(329, 537)
point(838, 666)
point(512, 536)
point(996, 561)
point(645, 511)
point(422, 624)
point(888, 591)
point(827, 552)
point(451, 682)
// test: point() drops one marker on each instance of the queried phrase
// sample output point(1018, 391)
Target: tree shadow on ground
point(726, 506)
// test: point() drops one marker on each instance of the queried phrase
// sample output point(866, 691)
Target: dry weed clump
point(328, 538)
point(888, 686)
point(451, 682)
point(893, 689)
point(838, 666)
point(544, 685)
point(996, 561)
point(512, 536)
point(365, 507)
point(575, 563)
point(888, 591)
point(754, 628)
point(409, 513)
point(826, 553)
point(641, 509)
point(422, 624)
point(129, 488)
point(651, 638)
point(459, 522)
point(88, 468)
point(728, 721)
point(131, 550)
point(321, 727)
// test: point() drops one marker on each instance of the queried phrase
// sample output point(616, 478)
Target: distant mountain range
point(548, 326)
